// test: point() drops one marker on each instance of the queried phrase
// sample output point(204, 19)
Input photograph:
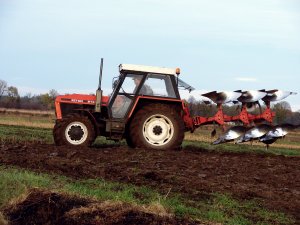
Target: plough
point(266, 133)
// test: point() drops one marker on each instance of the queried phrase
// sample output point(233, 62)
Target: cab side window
point(160, 85)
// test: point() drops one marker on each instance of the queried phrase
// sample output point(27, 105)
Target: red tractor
point(145, 108)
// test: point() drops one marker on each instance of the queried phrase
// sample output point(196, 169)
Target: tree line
point(10, 98)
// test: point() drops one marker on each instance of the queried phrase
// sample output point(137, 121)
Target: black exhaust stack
point(99, 91)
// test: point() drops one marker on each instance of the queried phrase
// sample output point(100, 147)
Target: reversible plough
point(266, 133)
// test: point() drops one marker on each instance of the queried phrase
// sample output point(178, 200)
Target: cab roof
point(146, 69)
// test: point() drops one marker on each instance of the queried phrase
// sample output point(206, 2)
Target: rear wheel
point(130, 142)
point(128, 138)
point(74, 130)
point(157, 126)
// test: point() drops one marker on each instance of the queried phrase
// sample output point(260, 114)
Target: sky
point(219, 45)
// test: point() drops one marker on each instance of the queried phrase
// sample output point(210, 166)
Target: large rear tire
point(130, 142)
point(157, 126)
point(74, 130)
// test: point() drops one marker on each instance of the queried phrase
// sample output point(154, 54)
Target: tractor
point(145, 109)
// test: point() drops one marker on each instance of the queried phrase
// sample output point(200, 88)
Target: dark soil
point(43, 207)
point(193, 172)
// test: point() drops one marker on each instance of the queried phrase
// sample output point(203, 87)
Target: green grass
point(219, 208)
point(25, 134)
point(227, 210)
point(14, 182)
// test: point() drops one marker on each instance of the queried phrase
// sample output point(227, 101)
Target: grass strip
point(28, 120)
point(241, 148)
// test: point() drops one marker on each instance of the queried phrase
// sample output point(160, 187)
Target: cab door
point(124, 95)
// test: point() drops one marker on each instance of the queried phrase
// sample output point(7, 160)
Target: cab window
point(160, 85)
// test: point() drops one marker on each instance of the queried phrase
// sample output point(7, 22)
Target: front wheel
point(74, 130)
point(157, 126)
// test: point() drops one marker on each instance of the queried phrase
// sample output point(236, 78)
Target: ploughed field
point(194, 172)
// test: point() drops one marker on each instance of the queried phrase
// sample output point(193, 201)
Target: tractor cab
point(137, 83)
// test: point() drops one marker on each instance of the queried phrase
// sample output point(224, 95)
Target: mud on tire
point(157, 126)
point(74, 130)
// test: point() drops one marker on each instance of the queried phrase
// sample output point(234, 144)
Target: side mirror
point(114, 82)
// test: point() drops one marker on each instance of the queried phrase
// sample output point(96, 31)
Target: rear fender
point(142, 101)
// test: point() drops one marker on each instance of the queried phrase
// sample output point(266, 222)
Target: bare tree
point(13, 92)
point(3, 87)
point(53, 93)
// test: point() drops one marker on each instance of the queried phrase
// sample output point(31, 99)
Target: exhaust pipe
point(99, 91)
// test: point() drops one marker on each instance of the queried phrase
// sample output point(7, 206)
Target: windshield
point(184, 86)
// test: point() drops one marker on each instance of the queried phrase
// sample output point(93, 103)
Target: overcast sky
point(219, 45)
